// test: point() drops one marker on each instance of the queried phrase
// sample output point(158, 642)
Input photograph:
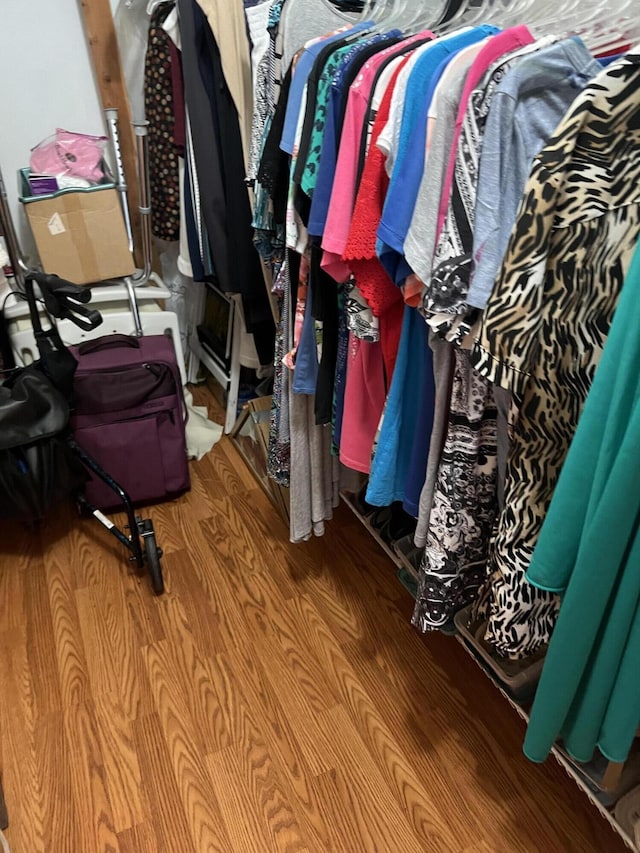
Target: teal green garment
point(310, 173)
point(589, 552)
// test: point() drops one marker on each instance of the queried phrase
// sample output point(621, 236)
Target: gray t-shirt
point(420, 240)
point(303, 20)
point(526, 108)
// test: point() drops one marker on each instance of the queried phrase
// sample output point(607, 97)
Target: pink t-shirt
point(343, 194)
point(364, 399)
point(495, 47)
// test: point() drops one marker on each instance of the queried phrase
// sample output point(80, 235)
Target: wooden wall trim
point(103, 44)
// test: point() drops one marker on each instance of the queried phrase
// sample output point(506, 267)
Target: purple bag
point(130, 415)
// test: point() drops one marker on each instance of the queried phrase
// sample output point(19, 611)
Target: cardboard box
point(80, 234)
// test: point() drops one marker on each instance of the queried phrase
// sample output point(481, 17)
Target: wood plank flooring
point(275, 699)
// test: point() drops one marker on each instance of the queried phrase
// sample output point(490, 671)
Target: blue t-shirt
point(305, 374)
point(409, 162)
point(393, 456)
point(526, 108)
point(306, 370)
point(417, 470)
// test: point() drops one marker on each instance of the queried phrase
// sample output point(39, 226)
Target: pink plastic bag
point(67, 153)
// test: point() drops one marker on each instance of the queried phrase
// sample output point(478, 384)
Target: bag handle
point(108, 342)
point(117, 341)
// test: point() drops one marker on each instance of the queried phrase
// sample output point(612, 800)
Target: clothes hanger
point(348, 5)
point(615, 39)
point(508, 14)
point(378, 12)
point(373, 9)
point(550, 15)
point(451, 8)
point(152, 5)
point(406, 16)
point(470, 12)
point(587, 21)
point(367, 9)
point(619, 27)
point(399, 14)
point(482, 13)
point(518, 12)
point(458, 20)
point(533, 13)
point(431, 18)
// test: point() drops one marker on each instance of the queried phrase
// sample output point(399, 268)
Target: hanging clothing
point(306, 19)
point(360, 251)
point(443, 365)
point(223, 199)
point(588, 552)
point(439, 135)
point(526, 108)
point(465, 500)
point(389, 139)
point(314, 472)
point(303, 67)
point(365, 391)
point(319, 154)
point(455, 241)
point(411, 136)
point(374, 151)
point(519, 124)
point(171, 26)
point(266, 93)
point(346, 114)
point(436, 180)
point(393, 454)
point(356, 115)
point(326, 314)
point(311, 459)
point(460, 495)
point(341, 373)
point(257, 17)
point(161, 113)
point(452, 254)
point(228, 26)
point(546, 323)
point(464, 506)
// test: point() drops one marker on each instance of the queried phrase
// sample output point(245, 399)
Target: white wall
point(46, 81)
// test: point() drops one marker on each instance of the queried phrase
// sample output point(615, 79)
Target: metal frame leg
point(135, 310)
point(234, 371)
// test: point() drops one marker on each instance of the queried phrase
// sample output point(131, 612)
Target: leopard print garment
point(547, 321)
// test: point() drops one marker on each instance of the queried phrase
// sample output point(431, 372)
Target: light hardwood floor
point(275, 699)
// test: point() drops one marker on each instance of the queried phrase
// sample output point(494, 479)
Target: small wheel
point(152, 555)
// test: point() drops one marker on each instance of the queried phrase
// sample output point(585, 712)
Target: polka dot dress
point(163, 154)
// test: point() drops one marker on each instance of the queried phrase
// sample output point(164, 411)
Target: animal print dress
point(547, 321)
point(465, 496)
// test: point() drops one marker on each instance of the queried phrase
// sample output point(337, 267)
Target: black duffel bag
point(37, 468)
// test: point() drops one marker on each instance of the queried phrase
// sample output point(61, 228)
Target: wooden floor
point(275, 699)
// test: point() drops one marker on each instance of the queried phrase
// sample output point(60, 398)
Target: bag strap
point(108, 342)
point(6, 351)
